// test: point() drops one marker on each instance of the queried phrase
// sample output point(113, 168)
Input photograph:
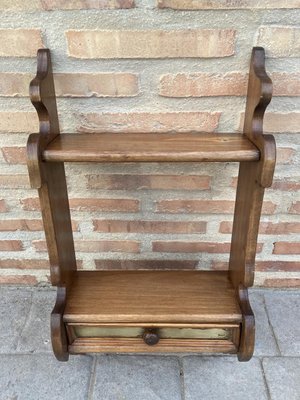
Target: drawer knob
point(151, 337)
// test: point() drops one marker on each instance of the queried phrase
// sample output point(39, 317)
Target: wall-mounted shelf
point(151, 311)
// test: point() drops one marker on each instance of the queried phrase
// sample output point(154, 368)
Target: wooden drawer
point(160, 338)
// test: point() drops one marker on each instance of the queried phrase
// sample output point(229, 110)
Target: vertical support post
point(50, 181)
point(253, 178)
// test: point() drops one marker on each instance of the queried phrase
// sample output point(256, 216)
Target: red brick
point(117, 226)
point(285, 155)
point(3, 207)
point(204, 206)
point(14, 181)
point(11, 245)
point(144, 122)
point(286, 248)
point(87, 204)
point(190, 247)
point(103, 84)
point(203, 84)
point(286, 84)
point(267, 228)
point(280, 41)
point(21, 224)
point(295, 208)
point(287, 186)
point(282, 283)
point(141, 182)
point(18, 280)
point(219, 266)
point(90, 246)
point(47, 5)
point(85, 4)
point(277, 266)
point(226, 4)
point(20, 42)
point(24, 264)
point(195, 206)
point(14, 155)
point(123, 246)
point(275, 122)
point(194, 247)
point(18, 121)
point(150, 43)
point(145, 264)
point(27, 225)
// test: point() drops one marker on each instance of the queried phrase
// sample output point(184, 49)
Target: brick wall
point(170, 65)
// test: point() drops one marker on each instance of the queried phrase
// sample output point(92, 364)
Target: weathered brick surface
point(3, 207)
point(281, 41)
point(86, 204)
point(48, 5)
point(141, 182)
point(267, 228)
point(11, 245)
point(278, 122)
point(18, 280)
point(89, 246)
point(149, 122)
point(20, 42)
point(14, 155)
point(142, 226)
point(282, 283)
point(75, 84)
point(277, 266)
point(193, 247)
point(202, 84)
point(286, 248)
point(14, 181)
point(19, 263)
point(151, 43)
point(205, 206)
point(226, 4)
point(15, 122)
point(145, 264)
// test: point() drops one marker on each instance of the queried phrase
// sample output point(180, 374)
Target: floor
point(29, 371)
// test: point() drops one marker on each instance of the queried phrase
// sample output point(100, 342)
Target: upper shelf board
point(151, 147)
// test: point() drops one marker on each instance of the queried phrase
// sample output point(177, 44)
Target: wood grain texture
point(49, 179)
point(152, 297)
point(113, 345)
point(42, 96)
point(58, 329)
point(259, 95)
point(247, 340)
point(160, 147)
point(253, 177)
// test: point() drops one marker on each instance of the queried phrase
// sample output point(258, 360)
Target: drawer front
point(162, 332)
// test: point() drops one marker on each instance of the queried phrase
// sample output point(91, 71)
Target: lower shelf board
point(186, 297)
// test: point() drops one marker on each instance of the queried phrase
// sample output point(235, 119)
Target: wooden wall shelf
point(151, 311)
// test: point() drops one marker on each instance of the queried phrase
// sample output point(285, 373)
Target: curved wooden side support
point(59, 337)
point(42, 96)
point(259, 95)
point(254, 177)
point(247, 338)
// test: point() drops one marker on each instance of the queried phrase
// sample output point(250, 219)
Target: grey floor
point(28, 370)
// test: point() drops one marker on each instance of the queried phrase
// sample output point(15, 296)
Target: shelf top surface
point(152, 297)
point(151, 147)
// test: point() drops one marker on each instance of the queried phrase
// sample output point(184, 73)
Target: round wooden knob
point(151, 337)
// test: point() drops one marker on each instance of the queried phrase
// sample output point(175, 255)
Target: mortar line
point(265, 379)
point(25, 322)
point(181, 378)
point(92, 379)
point(270, 325)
